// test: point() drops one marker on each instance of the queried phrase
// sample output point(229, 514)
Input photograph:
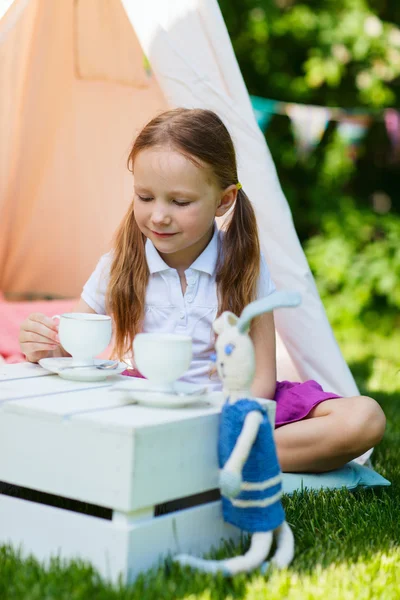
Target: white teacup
point(84, 335)
point(162, 357)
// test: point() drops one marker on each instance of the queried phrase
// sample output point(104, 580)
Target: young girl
point(171, 270)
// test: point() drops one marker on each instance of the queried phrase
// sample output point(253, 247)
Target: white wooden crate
point(81, 442)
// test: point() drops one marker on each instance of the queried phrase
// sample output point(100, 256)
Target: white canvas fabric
point(185, 42)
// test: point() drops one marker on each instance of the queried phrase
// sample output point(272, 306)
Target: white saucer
point(140, 390)
point(55, 365)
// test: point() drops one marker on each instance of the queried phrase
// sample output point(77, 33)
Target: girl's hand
point(38, 337)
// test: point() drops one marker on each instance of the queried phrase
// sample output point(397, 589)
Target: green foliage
point(342, 53)
point(318, 51)
point(356, 261)
point(345, 201)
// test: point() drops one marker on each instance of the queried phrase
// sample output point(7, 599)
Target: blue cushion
point(350, 476)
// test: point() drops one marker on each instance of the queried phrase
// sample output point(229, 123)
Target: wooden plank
point(143, 417)
point(195, 531)
point(16, 389)
point(111, 547)
point(74, 401)
point(46, 532)
point(22, 370)
point(97, 400)
point(132, 417)
point(175, 460)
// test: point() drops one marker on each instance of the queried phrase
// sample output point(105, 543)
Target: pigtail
point(127, 286)
point(238, 266)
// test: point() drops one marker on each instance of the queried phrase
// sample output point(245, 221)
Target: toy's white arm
point(245, 442)
point(263, 305)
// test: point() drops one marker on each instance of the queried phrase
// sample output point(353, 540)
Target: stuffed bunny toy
point(250, 476)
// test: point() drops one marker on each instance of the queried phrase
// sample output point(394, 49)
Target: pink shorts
point(294, 401)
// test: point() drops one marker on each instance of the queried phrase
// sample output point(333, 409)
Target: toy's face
point(235, 360)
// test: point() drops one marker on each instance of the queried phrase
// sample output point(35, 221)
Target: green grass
point(347, 544)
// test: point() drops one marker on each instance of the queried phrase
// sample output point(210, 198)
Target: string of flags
point(309, 123)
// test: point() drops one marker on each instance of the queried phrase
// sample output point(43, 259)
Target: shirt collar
point(206, 262)
point(154, 260)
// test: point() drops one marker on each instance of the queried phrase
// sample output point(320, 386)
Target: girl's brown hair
point(201, 136)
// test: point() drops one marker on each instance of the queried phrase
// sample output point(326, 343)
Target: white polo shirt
point(169, 311)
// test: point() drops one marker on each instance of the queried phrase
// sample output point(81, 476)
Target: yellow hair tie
point(238, 185)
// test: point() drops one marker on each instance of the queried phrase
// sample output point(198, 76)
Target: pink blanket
point(11, 316)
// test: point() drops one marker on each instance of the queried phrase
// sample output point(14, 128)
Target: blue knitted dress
point(258, 506)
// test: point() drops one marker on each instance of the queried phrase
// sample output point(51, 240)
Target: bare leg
point(335, 432)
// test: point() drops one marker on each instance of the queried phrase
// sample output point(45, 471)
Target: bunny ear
point(268, 304)
point(227, 319)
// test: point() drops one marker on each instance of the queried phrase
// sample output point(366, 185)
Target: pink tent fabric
point(12, 314)
point(74, 92)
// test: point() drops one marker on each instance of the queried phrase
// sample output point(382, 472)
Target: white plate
point(140, 391)
point(55, 365)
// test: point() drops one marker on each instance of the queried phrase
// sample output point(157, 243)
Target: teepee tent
point(75, 88)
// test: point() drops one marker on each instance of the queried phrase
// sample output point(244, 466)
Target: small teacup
point(84, 335)
point(162, 357)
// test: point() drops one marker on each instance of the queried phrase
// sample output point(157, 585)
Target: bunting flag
point(264, 109)
point(392, 122)
point(263, 119)
point(308, 126)
point(352, 131)
point(309, 123)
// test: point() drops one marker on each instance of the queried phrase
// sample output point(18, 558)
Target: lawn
point(347, 544)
